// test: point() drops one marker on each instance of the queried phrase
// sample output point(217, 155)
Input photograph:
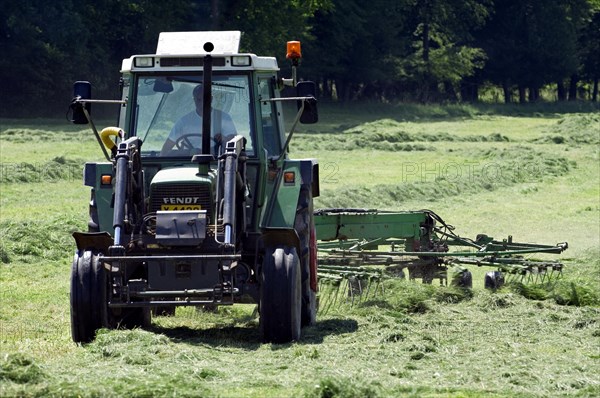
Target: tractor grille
point(188, 193)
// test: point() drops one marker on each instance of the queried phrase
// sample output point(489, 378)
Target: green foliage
point(33, 240)
point(268, 25)
point(425, 50)
point(20, 368)
point(580, 290)
point(532, 43)
point(580, 293)
point(491, 169)
point(575, 129)
point(57, 169)
point(344, 388)
point(576, 294)
point(135, 347)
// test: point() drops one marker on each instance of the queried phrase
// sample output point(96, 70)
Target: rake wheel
point(494, 280)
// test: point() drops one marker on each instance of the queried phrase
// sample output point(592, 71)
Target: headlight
point(240, 61)
point(143, 62)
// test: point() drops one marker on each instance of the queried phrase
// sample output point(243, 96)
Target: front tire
point(87, 298)
point(280, 295)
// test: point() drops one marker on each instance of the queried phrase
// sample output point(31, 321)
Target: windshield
point(169, 113)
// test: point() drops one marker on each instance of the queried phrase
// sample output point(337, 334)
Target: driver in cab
point(186, 134)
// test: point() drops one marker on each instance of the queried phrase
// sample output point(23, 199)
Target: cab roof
point(185, 51)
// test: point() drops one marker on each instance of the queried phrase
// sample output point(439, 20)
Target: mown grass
point(413, 340)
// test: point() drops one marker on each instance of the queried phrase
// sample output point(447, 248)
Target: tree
point(345, 49)
point(444, 49)
point(531, 43)
point(267, 25)
point(40, 46)
point(52, 44)
point(589, 44)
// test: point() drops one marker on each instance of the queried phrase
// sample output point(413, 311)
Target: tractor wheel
point(280, 295)
point(494, 280)
point(88, 296)
point(305, 227)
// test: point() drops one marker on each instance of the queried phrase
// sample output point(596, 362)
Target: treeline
point(383, 50)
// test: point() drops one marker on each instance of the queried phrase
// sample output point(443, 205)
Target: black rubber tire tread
point(280, 296)
point(465, 280)
point(303, 225)
point(85, 298)
point(493, 280)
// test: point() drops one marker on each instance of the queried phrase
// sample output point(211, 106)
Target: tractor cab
point(165, 97)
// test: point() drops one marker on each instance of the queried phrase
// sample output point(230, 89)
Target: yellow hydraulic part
point(106, 133)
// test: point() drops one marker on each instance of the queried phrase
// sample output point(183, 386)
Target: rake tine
point(330, 286)
point(349, 292)
point(518, 277)
point(337, 291)
point(377, 287)
point(361, 290)
point(544, 276)
point(330, 296)
point(359, 293)
point(322, 300)
point(368, 288)
point(379, 283)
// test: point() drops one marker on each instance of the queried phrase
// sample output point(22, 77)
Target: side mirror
point(81, 90)
point(310, 114)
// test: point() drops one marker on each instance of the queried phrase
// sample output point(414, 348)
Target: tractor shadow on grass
point(248, 336)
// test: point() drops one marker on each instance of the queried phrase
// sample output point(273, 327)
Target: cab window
point(168, 113)
point(268, 113)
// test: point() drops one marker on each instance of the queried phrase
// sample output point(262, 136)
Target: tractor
point(197, 202)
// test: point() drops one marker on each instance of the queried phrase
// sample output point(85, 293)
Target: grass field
point(531, 172)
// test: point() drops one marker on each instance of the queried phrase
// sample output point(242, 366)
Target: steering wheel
point(184, 143)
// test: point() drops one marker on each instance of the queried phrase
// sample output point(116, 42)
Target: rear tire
point(305, 228)
point(280, 296)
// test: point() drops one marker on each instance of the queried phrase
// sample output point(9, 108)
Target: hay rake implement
point(358, 248)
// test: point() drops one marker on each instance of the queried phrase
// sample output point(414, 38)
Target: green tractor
point(198, 203)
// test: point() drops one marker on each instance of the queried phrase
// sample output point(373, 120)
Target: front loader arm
point(127, 206)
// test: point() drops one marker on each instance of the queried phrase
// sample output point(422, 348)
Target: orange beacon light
point(294, 50)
